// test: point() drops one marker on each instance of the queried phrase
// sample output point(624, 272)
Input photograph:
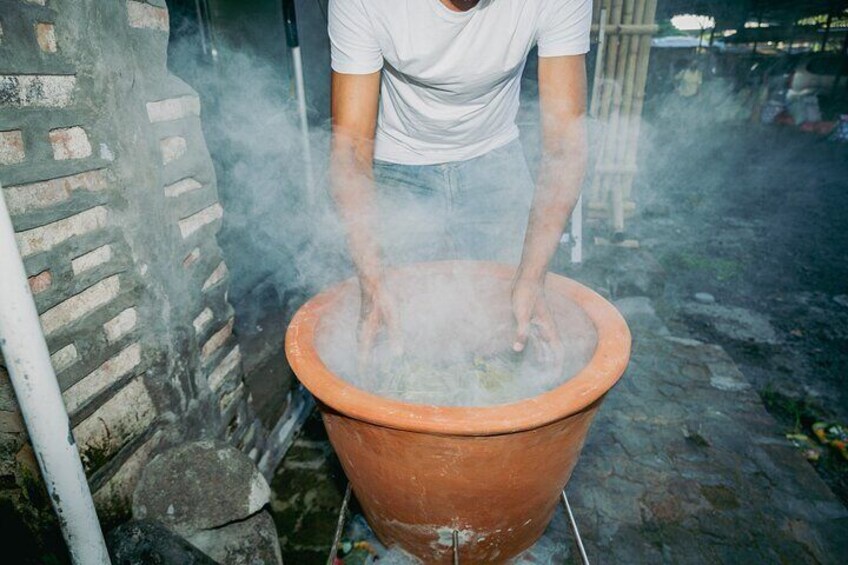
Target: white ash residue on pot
point(454, 344)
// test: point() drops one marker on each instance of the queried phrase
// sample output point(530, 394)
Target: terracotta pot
point(493, 473)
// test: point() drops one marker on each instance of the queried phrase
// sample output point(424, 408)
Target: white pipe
point(300, 91)
point(37, 391)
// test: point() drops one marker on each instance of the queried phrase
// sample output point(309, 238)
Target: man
point(425, 95)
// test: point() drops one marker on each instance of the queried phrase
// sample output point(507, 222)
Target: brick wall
point(112, 194)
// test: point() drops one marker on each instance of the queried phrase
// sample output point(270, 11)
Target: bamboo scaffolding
point(619, 105)
point(607, 186)
point(625, 178)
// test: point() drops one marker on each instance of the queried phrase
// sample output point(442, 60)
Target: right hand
point(377, 313)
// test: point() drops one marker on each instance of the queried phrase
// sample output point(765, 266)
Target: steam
point(456, 328)
point(452, 325)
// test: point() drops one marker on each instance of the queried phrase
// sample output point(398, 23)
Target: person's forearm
point(558, 187)
point(352, 186)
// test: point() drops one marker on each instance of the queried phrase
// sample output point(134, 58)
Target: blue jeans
point(474, 209)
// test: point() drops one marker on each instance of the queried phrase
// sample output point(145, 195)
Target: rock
point(705, 298)
point(198, 486)
point(151, 543)
point(636, 273)
point(841, 299)
point(726, 376)
point(639, 311)
point(735, 323)
point(249, 542)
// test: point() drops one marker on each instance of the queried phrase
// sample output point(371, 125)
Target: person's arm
point(354, 104)
point(562, 100)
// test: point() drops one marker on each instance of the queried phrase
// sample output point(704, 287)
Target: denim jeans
point(474, 209)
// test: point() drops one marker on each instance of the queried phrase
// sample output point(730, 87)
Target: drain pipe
point(37, 391)
point(293, 43)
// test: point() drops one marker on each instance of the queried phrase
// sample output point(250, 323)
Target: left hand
point(533, 318)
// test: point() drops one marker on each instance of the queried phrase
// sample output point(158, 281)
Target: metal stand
point(334, 549)
point(574, 530)
point(455, 535)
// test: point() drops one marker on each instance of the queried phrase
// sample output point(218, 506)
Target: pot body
point(498, 492)
point(492, 473)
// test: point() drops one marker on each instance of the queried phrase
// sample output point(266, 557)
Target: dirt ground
point(757, 217)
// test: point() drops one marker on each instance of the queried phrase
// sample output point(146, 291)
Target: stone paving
point(682, 465)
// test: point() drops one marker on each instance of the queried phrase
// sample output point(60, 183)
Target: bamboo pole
point(626, 90)
point(639, 98)
point(624, 138)
point(577, 215)
point(616, 7)
point(611, 186)
point(627, 29)
point(599, 62)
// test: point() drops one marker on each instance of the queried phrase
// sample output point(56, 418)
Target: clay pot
point(493, 473)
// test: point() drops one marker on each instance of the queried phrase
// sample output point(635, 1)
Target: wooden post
point(826, 37)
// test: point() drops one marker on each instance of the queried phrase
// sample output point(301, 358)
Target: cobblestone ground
point(682, 465)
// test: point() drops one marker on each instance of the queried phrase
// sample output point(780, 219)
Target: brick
point(124, 417)
point(64, 358)
point(217, 339)
point(181, 187)
point(80, 305)
point(11, 422)
point(27, 197)
point(191, 258)
point(196, 221)
point(102, 377)
point(40, 282)
point(69, 143)
point(173, 108)
point(217, 276)
point(121, 325)
point(172, 148)
point(202, 320)
point(36, 91)
point(45, 34)
point(228, 399)
point(118, 490)
point(92, 259)
point(11, 147)
point(45, 238)
point(145, 16)
point(227, 365)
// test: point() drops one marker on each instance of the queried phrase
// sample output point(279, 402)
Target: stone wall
point(112, 194)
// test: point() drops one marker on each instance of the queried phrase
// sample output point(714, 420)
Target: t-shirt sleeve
point(564, 27)
point(353, 44)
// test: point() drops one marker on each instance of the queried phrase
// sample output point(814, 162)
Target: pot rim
point(603, 370)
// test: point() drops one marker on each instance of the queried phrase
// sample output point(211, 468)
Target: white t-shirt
point(451, 80)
